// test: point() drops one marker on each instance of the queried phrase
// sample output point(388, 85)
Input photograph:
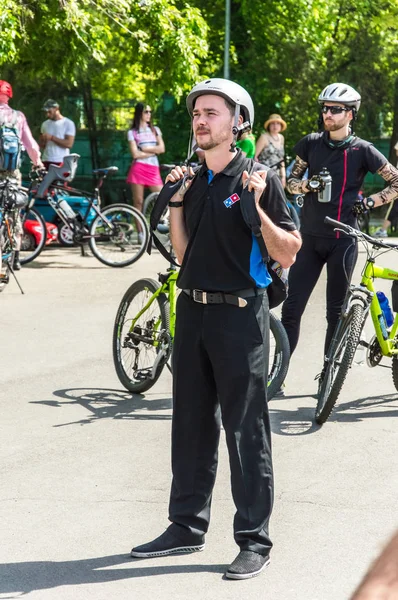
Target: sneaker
point(17, 264)
point(140, 237)
point(164, 545)
point(247, 564)
point(381, 233)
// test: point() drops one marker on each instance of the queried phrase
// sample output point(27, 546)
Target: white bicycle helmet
point(342, 93)
point(231, 91)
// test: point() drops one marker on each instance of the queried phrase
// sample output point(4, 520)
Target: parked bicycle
point(117, 235)
point(144, 331)
point(361, 300)
point(12, 200)
point(150, 200)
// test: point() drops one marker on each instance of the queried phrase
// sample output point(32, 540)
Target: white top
point(145, 138)
point(59, 129)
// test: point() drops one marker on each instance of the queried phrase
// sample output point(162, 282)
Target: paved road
point(85, 466)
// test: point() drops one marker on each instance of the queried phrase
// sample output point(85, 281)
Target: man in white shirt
point(57, 134)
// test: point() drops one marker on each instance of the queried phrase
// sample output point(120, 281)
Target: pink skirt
point(143, 174)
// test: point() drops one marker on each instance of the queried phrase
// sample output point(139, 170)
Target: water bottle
point(385, 307)
point(66, 209)
point(325, 195)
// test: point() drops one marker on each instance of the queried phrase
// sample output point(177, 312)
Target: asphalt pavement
point(85, 465)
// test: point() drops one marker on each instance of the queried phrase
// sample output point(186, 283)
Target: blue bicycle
point(117, 235)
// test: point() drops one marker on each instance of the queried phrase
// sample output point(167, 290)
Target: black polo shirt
point(348, 167)
point(222, 254)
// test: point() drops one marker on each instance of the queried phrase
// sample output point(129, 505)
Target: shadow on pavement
point(110, 404)
point(301, 420)
point(25, 577)
point(63, 265)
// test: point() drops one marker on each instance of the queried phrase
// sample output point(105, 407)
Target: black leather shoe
point(16, 264)
point(247, 564)
point(164, 545)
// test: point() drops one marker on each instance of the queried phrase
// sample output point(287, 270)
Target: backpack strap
point(250, 214)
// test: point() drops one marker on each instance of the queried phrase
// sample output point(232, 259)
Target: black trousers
point(340, 256)
point(220, 367)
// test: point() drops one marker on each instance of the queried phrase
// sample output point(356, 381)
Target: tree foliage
point(122, 47)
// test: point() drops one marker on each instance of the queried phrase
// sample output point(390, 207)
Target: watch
point(369, 202)
point(176, 204)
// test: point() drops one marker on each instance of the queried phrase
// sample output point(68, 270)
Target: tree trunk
point(394, 137)
point(91, 123)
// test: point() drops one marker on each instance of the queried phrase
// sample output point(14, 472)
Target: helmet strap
point(235, 128)
point(192, 146)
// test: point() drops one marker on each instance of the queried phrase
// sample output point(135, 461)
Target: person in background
point(270, 147)
point(146, 143)
point(347, 159)
point(57, 134)
point(391, 217)
point(247, 143)
point(10, 116)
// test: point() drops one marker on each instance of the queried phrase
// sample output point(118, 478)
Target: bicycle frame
point(372, 271)
point(168, 288)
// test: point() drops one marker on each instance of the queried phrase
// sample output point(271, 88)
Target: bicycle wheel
point(7, 257)
point(395, 371)
point(119, 235)
point(340, 358)
point(149, 203)
point(34, 235)
point(279, 356)
point(140, 354)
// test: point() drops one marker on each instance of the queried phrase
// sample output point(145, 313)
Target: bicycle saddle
point(105, 171)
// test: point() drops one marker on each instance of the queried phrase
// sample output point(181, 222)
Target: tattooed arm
point(296, 185)
point(389, 174)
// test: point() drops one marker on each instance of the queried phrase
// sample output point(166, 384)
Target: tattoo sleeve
point(389, 174)
point(295, 182)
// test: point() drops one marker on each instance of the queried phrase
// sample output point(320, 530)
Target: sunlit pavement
point(85, 466)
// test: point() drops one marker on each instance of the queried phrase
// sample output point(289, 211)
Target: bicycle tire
point(26, 257)
point(279, 356)
point(149, 203)
point(5, 265)
point(395, 371)
point(123, 360)
point(339, 363)
point(125, 237)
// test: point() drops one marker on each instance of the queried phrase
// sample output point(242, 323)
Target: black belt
point(237, 298)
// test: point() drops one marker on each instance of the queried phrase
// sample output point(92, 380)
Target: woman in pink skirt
point(146, 143)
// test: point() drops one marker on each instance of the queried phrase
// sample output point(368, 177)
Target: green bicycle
point(360, 301)
point(144, 330)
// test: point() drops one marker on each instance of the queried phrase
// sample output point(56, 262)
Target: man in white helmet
point(348, 159)
point(221, 346)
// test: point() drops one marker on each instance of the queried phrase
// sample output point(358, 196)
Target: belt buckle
point(199, 296)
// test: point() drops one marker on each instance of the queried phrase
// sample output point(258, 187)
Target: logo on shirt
point(231, 200)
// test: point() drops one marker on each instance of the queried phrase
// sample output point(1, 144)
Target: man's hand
point(46, 137)
point(256, 182)
point(315, 184)
point(179, 173)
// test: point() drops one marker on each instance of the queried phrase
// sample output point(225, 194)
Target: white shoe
point(380, 232)
point(140, 237)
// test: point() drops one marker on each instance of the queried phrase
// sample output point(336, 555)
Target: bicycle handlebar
point(352, 232)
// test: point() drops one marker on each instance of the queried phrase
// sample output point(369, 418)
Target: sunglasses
point(147, 111)
point(335, 110)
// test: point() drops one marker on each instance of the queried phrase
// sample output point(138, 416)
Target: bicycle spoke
point(119, 236)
